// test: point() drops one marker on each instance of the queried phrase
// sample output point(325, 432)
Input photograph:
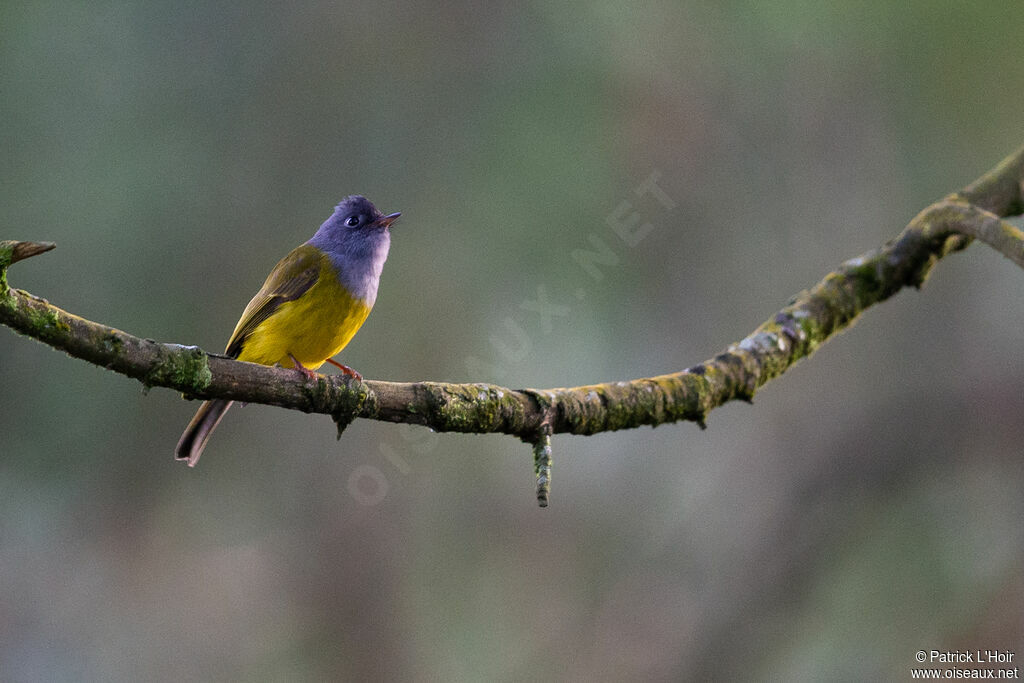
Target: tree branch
point(795, 332)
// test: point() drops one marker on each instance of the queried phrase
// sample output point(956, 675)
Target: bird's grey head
point(356, 238)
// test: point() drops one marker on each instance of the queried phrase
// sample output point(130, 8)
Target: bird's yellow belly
point(314, 327)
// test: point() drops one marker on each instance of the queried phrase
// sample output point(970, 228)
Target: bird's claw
point(345, 369)
point(309, 374)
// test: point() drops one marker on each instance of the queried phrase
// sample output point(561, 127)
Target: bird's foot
point(309, 374)
point(345, 369)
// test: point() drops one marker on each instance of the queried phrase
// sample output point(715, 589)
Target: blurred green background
point(868, 504)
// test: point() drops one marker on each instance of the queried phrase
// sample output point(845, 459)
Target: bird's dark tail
point(193, 441)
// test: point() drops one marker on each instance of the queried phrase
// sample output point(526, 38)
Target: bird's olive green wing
point(290, 279)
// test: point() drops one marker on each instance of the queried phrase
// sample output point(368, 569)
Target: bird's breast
point(314, 327)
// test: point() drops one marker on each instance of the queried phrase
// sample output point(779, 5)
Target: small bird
point(314, 301)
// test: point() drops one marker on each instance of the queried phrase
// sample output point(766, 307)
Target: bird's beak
point(386, 221)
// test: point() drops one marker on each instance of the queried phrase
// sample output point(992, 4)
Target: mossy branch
point(795, 332)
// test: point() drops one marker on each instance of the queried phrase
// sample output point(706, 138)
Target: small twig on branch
point(794, 333)
point(542, 466)
point(24, 250)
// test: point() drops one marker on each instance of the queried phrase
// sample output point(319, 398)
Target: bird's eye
point(352, 221)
